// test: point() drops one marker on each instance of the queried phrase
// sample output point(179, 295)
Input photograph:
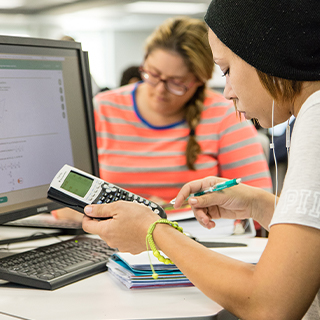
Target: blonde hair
point(280, 89)
point(187, 37)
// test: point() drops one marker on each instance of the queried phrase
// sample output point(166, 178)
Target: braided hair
point(187, 37)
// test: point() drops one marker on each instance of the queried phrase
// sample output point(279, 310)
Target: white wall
point(112, 46)
point(129, 48)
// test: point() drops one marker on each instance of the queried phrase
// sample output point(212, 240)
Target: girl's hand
point(236, 202)
point(127, 227)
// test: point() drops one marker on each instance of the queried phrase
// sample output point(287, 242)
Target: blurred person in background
point(130, 75)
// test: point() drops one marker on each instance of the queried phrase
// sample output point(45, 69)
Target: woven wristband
point(150, 243)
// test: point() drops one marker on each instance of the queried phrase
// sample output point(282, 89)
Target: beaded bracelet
point(150, 243)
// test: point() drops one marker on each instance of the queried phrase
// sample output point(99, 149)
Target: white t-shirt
point(299, 202)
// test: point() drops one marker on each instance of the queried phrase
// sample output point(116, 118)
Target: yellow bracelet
point(150, 243)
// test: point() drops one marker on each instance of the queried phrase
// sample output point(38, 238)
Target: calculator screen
point(77, 184)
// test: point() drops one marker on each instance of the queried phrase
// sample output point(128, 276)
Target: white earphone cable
point(274, 156)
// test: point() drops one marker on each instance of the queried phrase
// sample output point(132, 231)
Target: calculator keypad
point(110, 193)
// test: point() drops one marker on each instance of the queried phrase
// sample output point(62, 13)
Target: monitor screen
point(46, 121)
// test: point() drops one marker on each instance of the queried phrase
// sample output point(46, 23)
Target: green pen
point(217, 187)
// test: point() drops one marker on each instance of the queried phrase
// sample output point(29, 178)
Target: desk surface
point(104, 297)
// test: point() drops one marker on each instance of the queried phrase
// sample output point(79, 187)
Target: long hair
point(188, 37)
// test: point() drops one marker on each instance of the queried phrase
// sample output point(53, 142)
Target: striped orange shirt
point(149, 160)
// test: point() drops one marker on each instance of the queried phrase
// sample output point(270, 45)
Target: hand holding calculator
point(76, 189)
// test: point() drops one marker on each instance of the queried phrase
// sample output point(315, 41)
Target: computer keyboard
point(56, 265)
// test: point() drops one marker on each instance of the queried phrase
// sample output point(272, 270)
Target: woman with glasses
point(158, 134)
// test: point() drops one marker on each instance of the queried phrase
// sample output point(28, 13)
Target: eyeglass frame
point(165, 82)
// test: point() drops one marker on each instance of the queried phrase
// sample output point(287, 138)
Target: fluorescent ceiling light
point(166, 7)
point(10, 4)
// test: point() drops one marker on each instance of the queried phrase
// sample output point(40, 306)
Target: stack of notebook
point(134, 272)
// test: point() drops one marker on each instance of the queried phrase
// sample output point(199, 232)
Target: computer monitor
point(46, 120)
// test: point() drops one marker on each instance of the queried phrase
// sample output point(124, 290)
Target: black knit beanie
point(278, 37)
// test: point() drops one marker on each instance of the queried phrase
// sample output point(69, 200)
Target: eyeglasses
point(171, 85)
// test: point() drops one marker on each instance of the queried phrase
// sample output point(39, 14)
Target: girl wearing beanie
point(269, 52)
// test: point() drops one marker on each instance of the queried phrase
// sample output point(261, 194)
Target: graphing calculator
point(76, 189)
